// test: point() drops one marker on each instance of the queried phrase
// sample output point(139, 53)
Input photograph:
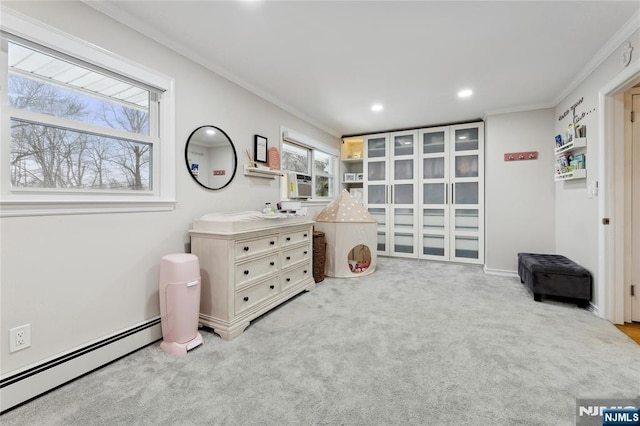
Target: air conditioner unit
point(299, 185)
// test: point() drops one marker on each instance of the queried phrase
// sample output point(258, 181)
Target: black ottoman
point(554, 275)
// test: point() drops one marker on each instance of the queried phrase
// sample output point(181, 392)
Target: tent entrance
point(359, 258)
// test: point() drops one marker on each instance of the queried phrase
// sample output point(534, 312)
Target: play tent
point(351, 236)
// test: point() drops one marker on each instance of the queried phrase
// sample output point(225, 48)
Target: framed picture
point(260, 149)
point(349, 177)
point(359, 177)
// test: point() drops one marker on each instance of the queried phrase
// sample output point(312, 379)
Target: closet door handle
point(446, 193)
point(391, 194)
point(452, 194)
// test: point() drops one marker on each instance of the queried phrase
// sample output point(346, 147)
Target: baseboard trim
point(28, 383)
point(500, 272)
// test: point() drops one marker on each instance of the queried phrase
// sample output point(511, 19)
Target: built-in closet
point(425, 187)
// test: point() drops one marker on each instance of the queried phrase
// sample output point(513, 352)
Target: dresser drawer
point(292, 238)
point(246, 248)
point(252, 296)
point(295, 255)
point(253, 269)
point(294, 276)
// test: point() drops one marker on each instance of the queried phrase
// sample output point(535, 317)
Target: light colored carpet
point(417, 342)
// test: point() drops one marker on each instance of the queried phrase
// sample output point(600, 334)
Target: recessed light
point(465, 93)
point(211, 132)
point(377, 107)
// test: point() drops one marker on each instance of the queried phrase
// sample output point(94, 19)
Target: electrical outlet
point(20, 338)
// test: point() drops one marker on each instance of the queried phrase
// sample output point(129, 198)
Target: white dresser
point(249, 267)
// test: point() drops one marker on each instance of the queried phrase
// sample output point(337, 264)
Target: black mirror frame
point(235, 158)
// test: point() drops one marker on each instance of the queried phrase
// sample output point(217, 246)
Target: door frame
point(611, 200)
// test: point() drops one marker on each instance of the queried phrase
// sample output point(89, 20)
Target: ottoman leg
point(537, 297)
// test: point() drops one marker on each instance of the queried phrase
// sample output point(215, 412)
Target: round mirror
point(211, 157)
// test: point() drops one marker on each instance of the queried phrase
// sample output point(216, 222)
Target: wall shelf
point(574, 174)
point(262, 173)
point(573, 145)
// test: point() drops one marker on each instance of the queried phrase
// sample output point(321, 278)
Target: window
point(323, 172)
point(320, 165)
point(77, 132)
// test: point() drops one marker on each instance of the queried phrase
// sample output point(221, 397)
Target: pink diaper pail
point(179, 303)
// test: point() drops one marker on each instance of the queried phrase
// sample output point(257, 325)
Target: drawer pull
point(288, 279)
point(246, 272)
point(272, 263)
point(272, 286)
point(288, 257)
point(246, 299)
point(305, 271)
point(288, 238)
point(246, 248)
point(272, 243)
point(305, 252)
point(305, 235)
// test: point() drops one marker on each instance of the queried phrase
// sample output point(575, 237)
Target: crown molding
point(629, 27)
point(146, 30)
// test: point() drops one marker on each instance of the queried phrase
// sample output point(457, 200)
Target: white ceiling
point(329, 61)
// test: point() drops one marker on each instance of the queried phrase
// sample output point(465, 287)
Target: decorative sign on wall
point(516, 156)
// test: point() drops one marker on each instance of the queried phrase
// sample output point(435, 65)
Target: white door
point(433, 194)
point(376, 185)
point(403, 194)
point(635, 212)
point(466, 242)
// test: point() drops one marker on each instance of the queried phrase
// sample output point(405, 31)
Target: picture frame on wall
point(260, 149)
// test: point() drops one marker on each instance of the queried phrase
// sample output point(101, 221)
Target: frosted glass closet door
point(467, 211)
point(433, 220)
point(377, 191)
point(404, 233)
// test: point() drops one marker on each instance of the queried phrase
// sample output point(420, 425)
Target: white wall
point(577, 216)
point(519, 195)
point(77, 278)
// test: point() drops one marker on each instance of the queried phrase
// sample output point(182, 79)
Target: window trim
point(41, 203)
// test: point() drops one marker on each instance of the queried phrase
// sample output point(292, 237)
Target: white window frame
point(295, 138)
point(36, 202)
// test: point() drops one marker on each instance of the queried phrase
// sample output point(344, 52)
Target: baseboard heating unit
point(25, 384)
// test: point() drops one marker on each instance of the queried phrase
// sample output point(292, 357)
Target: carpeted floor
point(416, 343)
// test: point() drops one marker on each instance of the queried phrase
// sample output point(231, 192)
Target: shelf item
point(249, 271)
point(574, 174)
point(566, 169)
point(262, 172)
